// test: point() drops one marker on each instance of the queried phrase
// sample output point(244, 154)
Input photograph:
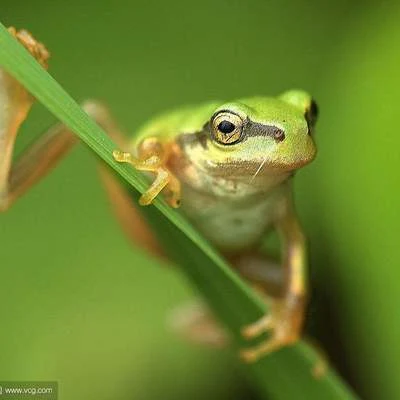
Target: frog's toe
point(151, 164)
point(253, 354)
point(146, 199)
point(121, 156)
point(264, 324)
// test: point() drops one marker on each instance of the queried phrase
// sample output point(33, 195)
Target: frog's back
point(167, 126)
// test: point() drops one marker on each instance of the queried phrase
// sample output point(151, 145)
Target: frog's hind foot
point(195, 323)
point(284, 325)
point(164, 178)
point(37, 49)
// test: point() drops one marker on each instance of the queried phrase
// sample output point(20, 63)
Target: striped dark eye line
point(257, 129)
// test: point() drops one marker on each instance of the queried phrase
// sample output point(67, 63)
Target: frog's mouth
point(264, 155)
point(246, 169)
point(267, 166)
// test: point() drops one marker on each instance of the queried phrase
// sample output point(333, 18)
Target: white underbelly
point(228, 225)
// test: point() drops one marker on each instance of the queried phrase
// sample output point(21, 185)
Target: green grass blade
point(283, 375)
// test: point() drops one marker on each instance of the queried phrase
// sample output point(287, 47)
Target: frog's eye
point(311, 115)
point(227, 127)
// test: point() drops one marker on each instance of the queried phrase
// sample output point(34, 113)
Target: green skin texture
point(234, 193)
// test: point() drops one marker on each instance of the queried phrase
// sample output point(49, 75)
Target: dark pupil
point(226, 127)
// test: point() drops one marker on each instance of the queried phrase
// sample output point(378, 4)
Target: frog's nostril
point(279, 135)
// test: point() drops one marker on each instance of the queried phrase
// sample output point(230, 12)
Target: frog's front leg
point(286, 315)
point(153, 157)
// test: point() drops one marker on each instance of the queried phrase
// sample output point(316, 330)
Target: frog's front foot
point(284, 323)
point(164, 178)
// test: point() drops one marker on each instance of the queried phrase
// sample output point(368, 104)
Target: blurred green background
point(82, 306)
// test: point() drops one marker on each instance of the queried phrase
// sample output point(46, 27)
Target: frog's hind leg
point(285, 320)
point(43, 155)
point(268, 279)
point(52, 146)
point(266, 275)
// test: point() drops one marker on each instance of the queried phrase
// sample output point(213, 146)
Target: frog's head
point(263, 135)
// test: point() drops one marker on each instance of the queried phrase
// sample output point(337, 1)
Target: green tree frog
point(229, 165)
